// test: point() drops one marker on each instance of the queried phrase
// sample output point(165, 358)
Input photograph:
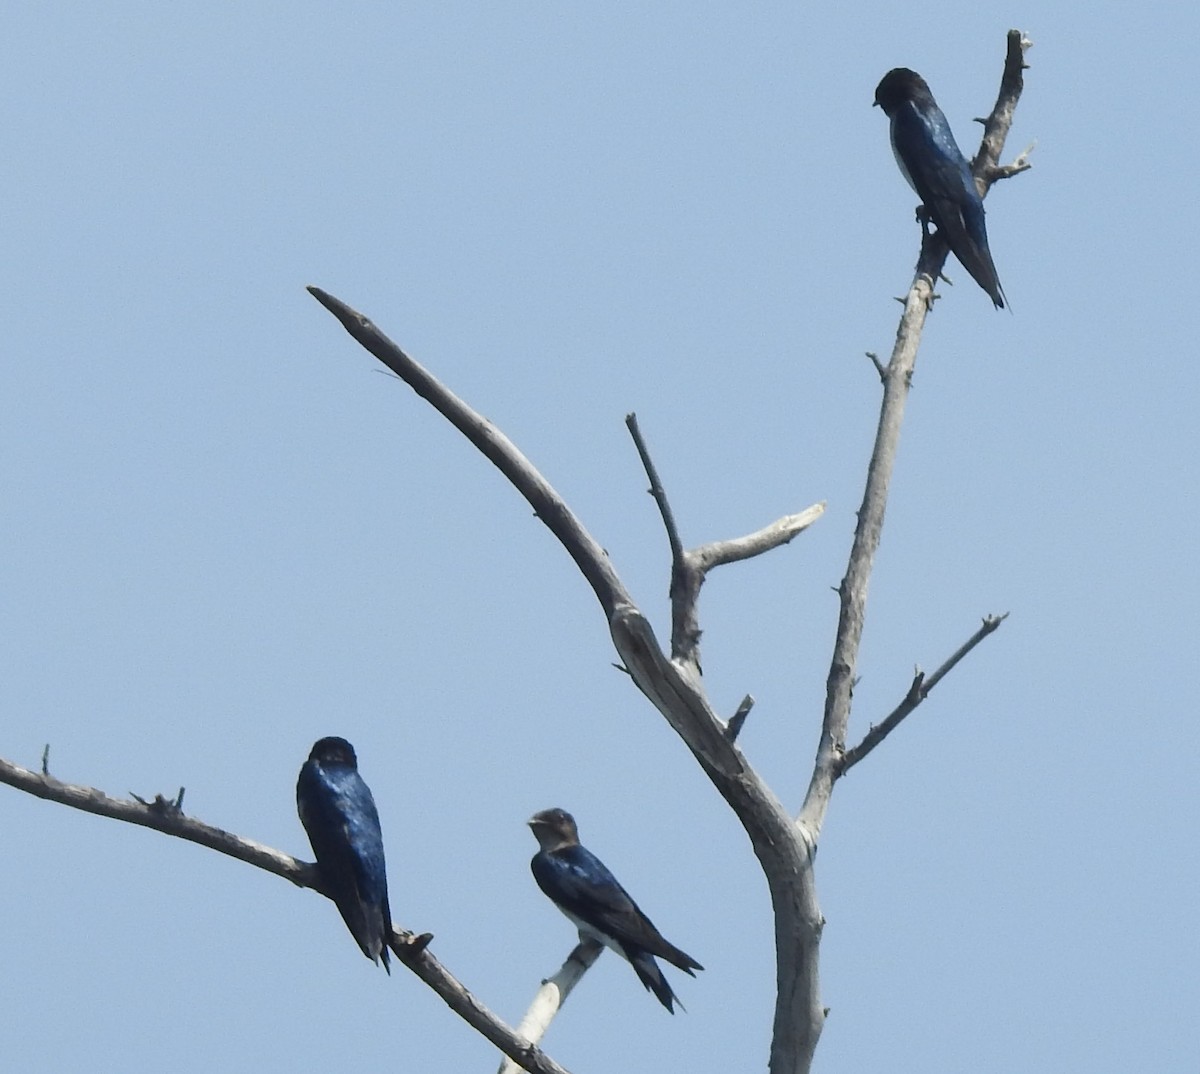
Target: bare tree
point(671, 679)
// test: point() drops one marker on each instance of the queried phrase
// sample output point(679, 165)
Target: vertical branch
point(996, 127)
point(686, 578)
point(897, 379)
point(852, 592)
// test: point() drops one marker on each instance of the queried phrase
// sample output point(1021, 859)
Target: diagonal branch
point(657, 491)
point(917, 692)
point(164, 815)
point(552, 995)
point(582, 547)
point(774, 534)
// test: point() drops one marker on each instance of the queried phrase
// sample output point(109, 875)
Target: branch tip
point(920, 689)
point(738, 719)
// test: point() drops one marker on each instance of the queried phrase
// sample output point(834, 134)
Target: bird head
point(336, 751)
point(898, 86)
point(554, 829)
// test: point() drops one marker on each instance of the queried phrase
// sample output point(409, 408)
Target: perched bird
point(583, 889)
point(936, 169)
point(338, 812)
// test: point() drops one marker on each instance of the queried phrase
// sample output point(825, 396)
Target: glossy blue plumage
point(338, 813)
point(935, 168)
point(589, 895)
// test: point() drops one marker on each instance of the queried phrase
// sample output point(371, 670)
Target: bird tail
point(962, 229)
point(371, 931)
point(651, 975)
point(680, 959)
point(385, 936)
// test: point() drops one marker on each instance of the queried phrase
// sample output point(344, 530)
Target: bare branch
point(552, 995)
point(779, 532)
point(656, 490)
point(591, 559)
point(525, 1054)
point(162, 816)
point(853, 588)
point(165, 815)
point(897, 380)
point(991, 623)
point(684, 590)
point(917, 692)
point(1020, 164)
point(734, 727)
point(999, 122)
point(689, 569)
point(784, 847)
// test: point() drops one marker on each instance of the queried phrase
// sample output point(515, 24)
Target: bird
point(578, 883)
point(935, 168)
point(338, 812)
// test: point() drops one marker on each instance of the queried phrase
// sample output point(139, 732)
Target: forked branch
point(673, 686)
point(689, 569)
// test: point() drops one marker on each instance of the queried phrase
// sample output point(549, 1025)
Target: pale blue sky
point(226, 534)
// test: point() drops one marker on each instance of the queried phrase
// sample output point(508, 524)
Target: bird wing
point(929, 156)
point(339, 814)
point(581, 884)
point(935, 168)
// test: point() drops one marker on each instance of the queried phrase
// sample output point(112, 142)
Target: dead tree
point(670, 678)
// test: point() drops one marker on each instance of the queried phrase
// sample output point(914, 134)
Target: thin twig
point(684, 589)
point(917, 692)
point(656, 490)
point(165, 815)
point(734, 727)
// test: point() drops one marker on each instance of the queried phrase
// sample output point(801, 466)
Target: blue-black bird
point(583, 889)
point(338, 812)
point(935, 168)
